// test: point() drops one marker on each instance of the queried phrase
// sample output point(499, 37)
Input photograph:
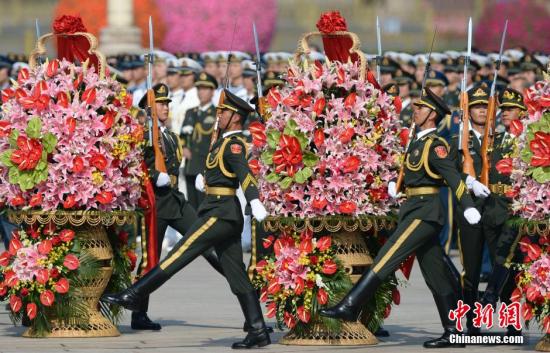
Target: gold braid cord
point(74, 218)
point(40, 49)
point(303, 48)
point(328, 223)
point(541, 228)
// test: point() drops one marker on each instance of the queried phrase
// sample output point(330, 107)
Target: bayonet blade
point(428, 64)
point(379, 42)
point(497, 64)
point(258, 67)
point(150, 63)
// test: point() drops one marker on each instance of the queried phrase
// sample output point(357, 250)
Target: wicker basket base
point(544, 344)
point(99, 326)
point(352, 334)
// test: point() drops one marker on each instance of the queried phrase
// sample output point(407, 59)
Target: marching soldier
point(427, 169)
point(172, 208)
point(501, 281)
point(219, 224)
point(196, 132)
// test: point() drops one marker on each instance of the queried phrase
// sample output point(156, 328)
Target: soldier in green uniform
point(427, 169)
point(501, 281)
point(172, 209)
point(219, 224)
point(452, 72)
point(196, 131)
point(471, 237)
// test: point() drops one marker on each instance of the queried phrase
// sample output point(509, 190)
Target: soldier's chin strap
point(426, 118)
point(222, 131)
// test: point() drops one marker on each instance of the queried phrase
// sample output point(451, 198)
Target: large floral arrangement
point(529, 166)
point(533, 282)
point(300, 277)
point(330, 146)
point(68, 142)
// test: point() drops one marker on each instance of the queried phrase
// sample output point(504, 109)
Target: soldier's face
point(530, 76)
point(235, 70)
point(421, 114)
point(385, 78)
point(173, 81)
point(211, 68)
point(162, 111)
point(509, 114)
point(4, 74)
point(478, 113)
point(205, 94)
point(187, 81)
point(227, 118)
point(439, 90)
point(404, 90)
point(159, 70)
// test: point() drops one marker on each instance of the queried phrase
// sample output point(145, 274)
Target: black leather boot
point(497, 280)
point(444, 305)
point(131, 298)
point(140, 321)
point(247, 327)
point(349, 307)
point(470, 298)
point(257, 334)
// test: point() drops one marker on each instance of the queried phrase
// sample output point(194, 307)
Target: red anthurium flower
point(516, 127)
point(45, 246)
point(319, 106)
point(397, 104)
point(504, 166)
point(104, 197)
point(527, 311)
point(257, 130)
point(133, 259)
point(546, 325)
point(341, 76)
point(7, 94)
point(15, 244)
point(404, 137)
point(52, 68)
point(347, 207)
point(31, 310)
point(99, 161)
point(15, 303)
point(10, 278)
point(540, 146)
point(300, 286)
point(71, 262)
point(69, 202)
point(23, 75)
point(17, 201)
point(289, 320)
point(288, 156)
point(78, 81)
point(329, 267)
point(62, 100)
point(292, 100)
point(322, 296)
point(271, 310)
point(254, 166)
point(71, 124)
point(5, 258)
point(268, 241)
point(28, 154)
point(319, 204)
point(5, 128)
point(54, 273)
point(66, 235)
point(273, 287)
point(305, 101)
point(261, 265)
point(319, 137)
point(47, 298)
point(108, 119)
point(303, 314)
point(349, 102)
point(274, 98)
point(516, 295)
point(387, 311)
point(263, 295)
point(351, 164)
point(396, 296)
point(89, 95)
point(36, 200)
point(42, 276)
point(306, 246)
point(318, 68)
point(78, 165)
point(347, 135)
point(323, 243)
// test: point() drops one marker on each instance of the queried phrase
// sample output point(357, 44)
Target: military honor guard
point(427, 168)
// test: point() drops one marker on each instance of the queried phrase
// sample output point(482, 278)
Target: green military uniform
point(421, 217)
point(201, 121)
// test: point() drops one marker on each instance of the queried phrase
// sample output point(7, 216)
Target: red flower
point(24, 292)
point(331, 22)
point(108, 119)
point(263, 295)
point(104, 197)
point(347, 135)
point(532, 250)
point(63, 100)
point(50, 228)
point(292, 100)
point(66, 235)
point(62, 286)
point(546, 324)
point(78, 164)
point(31, 310)
point(319, 204)
point(28, 154)
point(306, 246)
point(271, 310)
point(540, 146)
point(5, 128)
point(17, 201)
point(89, 95)
point(319, 106)
point(527, 311)
point(324, 243)
point(289, 319)
point(404, 137)
point(260, 266)
point(5, 259)
point(69, 202)
point(23, 75)
point(347, 207)
point(54, 273)
point(52, 68)
point(45, 246)
point(98, 160)
point(71, 262)
point(15, 244)
point(36, 200)
point(387, 311)
point(273, 97)
point(516, 127)
point(10, 278)
point(504, 166)
point(254, 166)
point(299, 288)
point(257, 130)
point(351, 164)
point(71, 124)
point(303, 314)
point(37, 100)
point(319, 137)
point(322, 296)
point(396, 296)
point(288, 156)
point(42, 276)
point(47, 298)
point(133, 259)
point(68, 24)
point(3, 289)
point(273, 287)
point(329, 267)
point(268, 241)
point(349, 102)
point(15, 303)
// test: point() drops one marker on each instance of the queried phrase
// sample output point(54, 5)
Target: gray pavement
point(199, 314)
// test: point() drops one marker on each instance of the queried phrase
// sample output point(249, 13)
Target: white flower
point(319, 281)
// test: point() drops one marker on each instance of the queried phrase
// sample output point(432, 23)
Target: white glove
point(479, 189)
point(258, 210)
point(187, 130)
point(472, 215)
point(199, 183)
point(392, 189)
point(163, 179)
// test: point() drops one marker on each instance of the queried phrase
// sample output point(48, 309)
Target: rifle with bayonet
point(464, 135)
point(489, 133)
point(412, 128)
point(261, 99)
point(379, 56)
point(152, 117)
